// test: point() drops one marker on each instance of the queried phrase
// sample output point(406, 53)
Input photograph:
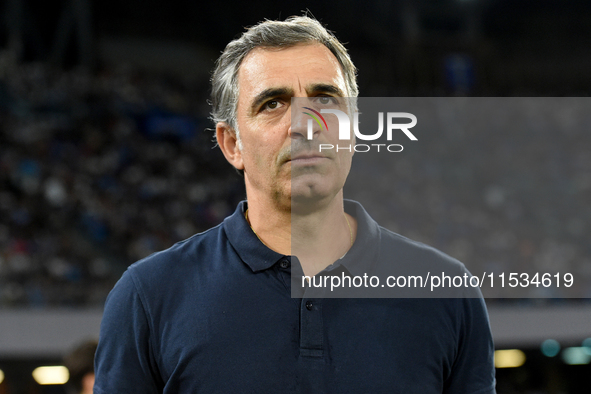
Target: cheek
point(345, 165)
point(256, 158)
point(260, 160)
point(264, 142)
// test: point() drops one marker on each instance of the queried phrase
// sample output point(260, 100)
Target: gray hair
point(270, 34)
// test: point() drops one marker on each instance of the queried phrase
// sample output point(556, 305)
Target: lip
point(307, 158)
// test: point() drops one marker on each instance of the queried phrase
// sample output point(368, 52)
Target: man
point(214, 313)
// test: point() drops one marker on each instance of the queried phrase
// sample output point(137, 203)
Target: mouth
point(307, 158)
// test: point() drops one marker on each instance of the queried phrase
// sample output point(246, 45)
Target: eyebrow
point(278, 92)
point(324, 88)
point(270, 93)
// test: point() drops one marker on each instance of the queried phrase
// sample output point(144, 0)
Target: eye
point(272, 104)
point(325, 100)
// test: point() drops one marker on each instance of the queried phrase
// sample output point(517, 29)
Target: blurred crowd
point(98, 170)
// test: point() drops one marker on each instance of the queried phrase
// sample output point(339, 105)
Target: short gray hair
point(270, 34)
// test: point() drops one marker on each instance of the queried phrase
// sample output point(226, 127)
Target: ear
point(226, 137)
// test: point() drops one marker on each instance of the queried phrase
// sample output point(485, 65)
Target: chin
point(309, 197)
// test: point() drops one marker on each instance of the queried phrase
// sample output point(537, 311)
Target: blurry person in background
point(80, 364)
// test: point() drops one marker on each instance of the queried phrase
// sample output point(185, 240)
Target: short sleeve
point(473, 370)
point(124, 361)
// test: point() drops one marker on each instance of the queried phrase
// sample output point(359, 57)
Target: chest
point(307, 346)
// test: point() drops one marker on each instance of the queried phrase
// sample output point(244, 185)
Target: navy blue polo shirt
point(214, 314)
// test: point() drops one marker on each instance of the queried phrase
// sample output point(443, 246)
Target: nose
point(305, 122)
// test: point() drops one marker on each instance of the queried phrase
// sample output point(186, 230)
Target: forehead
point(294, 68)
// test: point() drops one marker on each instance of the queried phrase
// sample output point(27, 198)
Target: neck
point(271, 224)
point(318, 237)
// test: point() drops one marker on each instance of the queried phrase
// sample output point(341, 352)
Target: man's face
point(279, 162)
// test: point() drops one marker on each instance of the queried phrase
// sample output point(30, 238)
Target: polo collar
point(364, 253)
point(248, 246)
point(360, 258)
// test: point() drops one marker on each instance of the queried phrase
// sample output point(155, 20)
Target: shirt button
point(309, 305)
point(284, 264)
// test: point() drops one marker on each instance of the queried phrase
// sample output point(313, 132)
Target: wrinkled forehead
point(294, 68)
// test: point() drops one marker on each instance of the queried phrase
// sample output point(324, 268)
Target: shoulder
point(438, 274)
point(165, 278)
point(170, 272)
point(417, 254)
point(182, 254)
